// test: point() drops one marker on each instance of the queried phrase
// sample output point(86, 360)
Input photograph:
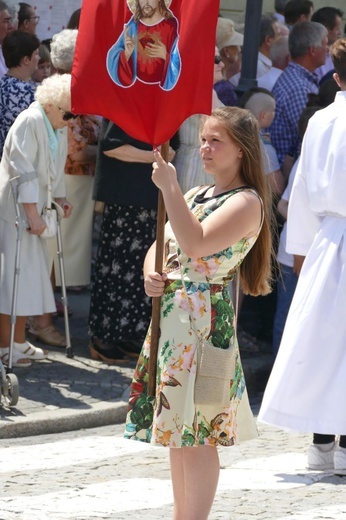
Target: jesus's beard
point(148, 11)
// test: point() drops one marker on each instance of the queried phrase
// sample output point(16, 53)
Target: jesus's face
point(148, 7)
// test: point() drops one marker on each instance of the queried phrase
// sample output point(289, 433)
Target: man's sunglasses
point(67, 115)
point(217, 60)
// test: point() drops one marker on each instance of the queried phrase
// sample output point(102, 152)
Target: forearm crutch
point(21, 224)
point(69, 351)
point(8, 380)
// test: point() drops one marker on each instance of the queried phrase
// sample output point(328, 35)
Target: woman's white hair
point(55, 90)
point(62, 49)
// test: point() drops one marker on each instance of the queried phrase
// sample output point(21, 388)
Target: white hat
point(226, 35)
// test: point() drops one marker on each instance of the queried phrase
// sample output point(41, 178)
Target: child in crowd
point(43, 70)
point(261, 103)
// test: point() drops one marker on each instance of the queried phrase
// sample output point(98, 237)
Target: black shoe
point(131, 348)
point(107, 353)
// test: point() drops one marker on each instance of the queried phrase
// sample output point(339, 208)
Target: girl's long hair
point(242, 128)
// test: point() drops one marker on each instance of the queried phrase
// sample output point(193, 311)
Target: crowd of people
point(238, 188)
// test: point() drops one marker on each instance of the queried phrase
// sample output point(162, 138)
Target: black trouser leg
point(320, 438)
point(342, 442)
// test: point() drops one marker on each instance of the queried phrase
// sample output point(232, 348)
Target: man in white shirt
point(280, 56)
point(331, 18)
point(270, 31)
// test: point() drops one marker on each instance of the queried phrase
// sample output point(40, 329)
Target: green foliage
point(142, 413)
point(168, 309)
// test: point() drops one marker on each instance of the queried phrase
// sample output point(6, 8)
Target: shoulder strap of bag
point(237, 275)
point(49, 193)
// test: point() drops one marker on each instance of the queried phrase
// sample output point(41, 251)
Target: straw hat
point(226, 35)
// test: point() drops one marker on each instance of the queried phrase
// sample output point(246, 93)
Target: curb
point(100, 414)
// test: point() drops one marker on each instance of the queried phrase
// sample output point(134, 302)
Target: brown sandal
point(48, 335)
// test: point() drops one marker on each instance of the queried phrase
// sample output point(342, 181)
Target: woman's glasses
point(67, 115)
point(217, 60)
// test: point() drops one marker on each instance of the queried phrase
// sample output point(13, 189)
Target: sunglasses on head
point(217, 60)
point(67, 115)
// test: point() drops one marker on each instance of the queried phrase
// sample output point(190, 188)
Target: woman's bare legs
point(195, 474)
point(43, 321)
point(5, 330)
point(19, 337)
point(177, 475)
point(43, 329)
point(46, 320)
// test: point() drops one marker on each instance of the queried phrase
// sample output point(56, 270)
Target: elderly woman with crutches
point(33, 161)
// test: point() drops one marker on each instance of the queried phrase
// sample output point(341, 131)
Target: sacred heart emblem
point(144, 40)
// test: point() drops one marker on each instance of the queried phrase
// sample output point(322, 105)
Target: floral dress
point(171, 418)
point(82, 131)
point(15, 96)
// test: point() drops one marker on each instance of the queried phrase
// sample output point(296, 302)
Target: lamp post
point(250, 48)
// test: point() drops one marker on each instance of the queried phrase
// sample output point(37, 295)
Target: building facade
point(234, 9)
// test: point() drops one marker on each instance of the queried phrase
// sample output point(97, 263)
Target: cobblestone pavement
point(59, 393)
point(96, 474)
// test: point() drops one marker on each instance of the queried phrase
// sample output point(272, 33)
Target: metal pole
point(69, 351)
point(251, 43)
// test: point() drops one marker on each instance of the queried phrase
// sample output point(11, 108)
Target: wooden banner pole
point(156, 303)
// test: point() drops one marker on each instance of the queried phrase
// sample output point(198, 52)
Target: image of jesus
point(147, 49)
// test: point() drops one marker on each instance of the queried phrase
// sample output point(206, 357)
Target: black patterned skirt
point(119, 309)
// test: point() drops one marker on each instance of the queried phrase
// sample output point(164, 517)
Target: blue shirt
point(291, 95)
point(226, 93)
point(15, 96)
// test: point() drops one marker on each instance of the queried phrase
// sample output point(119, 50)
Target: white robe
point(307, 385)
point(27, 154)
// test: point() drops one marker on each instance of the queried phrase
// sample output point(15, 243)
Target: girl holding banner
point(212, 232)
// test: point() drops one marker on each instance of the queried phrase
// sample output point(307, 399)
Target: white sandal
point(30, 351)
point(17, 359)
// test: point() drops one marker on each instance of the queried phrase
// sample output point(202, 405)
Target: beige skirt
point(76, 233)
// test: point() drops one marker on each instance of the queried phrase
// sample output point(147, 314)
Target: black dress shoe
point(131, 348)
point(107, 353)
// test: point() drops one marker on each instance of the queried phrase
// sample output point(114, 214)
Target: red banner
point(146, 65)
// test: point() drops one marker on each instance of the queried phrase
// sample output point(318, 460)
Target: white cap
point(226, 35)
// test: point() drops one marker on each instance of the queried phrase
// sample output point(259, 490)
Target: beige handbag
point(215, 370)
point(215, 366)
point(50, 213)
